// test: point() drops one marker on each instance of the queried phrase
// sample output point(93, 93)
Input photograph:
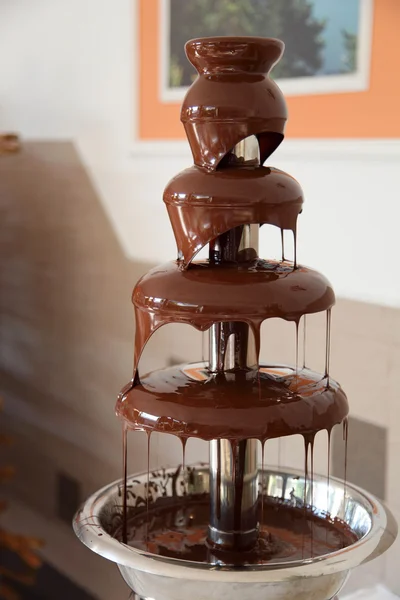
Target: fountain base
point(156, 577)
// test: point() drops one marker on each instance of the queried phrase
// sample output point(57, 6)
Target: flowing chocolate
point(233, 97)
point(272, 402)
point(205, 294)
point(202, 206)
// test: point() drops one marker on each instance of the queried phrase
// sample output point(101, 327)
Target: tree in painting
point(290, 20)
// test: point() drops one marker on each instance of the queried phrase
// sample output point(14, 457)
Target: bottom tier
point(159, 577)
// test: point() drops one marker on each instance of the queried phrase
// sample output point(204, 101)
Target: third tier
point(271, 402)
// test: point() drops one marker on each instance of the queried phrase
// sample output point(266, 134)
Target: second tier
point(233, 291)
point(274, 401)
point(205, 294)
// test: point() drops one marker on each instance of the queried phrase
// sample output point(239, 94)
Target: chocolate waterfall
point(234, 117)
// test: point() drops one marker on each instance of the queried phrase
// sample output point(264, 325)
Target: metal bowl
point(154, 577)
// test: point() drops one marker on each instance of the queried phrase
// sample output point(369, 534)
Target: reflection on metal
point(232, 353)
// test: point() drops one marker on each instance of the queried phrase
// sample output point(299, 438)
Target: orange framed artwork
point(340, 76)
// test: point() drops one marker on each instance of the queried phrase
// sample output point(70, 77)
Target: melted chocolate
point(202, 206)
point(273, 402)
point(208, 293)
point(233, 97)
point(179, 530)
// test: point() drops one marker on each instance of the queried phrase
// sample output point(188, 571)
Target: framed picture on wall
point(337, 71)
point(327, 42)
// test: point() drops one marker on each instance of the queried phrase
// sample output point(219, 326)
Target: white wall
point(68, 71)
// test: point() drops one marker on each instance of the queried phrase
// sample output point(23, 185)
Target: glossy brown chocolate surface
point(204, 294)
point(272, 402)
point(203, 205)
point(286, 533)
point(233, 97)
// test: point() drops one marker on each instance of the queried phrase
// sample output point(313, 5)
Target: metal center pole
point(234, 465)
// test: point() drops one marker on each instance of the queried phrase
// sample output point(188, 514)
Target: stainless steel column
point(234, 466)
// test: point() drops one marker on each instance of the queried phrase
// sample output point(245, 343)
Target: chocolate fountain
point(234, 528)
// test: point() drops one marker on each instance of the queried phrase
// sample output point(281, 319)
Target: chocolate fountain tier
point(202, 206)
point(207, 293)
point(233, 97)
point(274, 401)
point(255, 290)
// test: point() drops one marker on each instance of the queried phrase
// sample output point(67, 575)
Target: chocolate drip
point(312, 491)
point(263, 486)
point(183, 442)
point(124, 488)
point(345, 439)
point(148, 483)
point(283, 244)
point(329, 469)
point(328, 343)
